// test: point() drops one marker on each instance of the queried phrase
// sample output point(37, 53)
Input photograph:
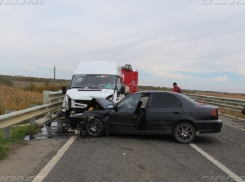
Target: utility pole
point(54, 75)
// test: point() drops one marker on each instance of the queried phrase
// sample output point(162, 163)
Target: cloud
point(220, 79)
point(206, 40)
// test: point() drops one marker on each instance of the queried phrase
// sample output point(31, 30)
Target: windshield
point(93, 81)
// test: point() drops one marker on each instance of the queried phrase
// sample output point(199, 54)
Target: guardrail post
point(33, 120)
point(48, 115)
point(7, 132)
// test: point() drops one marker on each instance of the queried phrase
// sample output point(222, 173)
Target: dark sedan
point(152, 112)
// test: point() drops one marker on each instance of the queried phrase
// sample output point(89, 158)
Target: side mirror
point(63, 90)
point(110, 106)
point(122, 90)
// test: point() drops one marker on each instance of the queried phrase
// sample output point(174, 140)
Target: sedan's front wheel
point(94, 127)
point(184, 133)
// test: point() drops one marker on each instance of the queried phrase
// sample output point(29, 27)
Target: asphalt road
point(126, 158)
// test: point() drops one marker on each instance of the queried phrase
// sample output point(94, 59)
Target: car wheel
point(184, 133)
point(94, 127)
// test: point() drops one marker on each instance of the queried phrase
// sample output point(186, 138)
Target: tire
point(184, 133)
point(95, 127)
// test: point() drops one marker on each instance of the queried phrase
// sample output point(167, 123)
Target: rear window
point(164, 100)
point(188, 99)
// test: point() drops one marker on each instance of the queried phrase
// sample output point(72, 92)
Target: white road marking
point(218, 164)
point(234, 127)
point(44, 172)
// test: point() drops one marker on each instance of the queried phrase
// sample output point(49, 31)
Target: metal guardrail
point(232, 105)
point(49, 97)
point(51, 101)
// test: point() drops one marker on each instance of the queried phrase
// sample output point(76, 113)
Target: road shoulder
point(26, 162)
point(234, 122)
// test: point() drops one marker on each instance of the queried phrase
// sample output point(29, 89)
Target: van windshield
point(93, 81)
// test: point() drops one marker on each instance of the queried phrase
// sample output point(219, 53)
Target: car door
point(163, 110)
point(121, 119)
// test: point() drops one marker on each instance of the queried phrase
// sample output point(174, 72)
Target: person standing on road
point(176, 88)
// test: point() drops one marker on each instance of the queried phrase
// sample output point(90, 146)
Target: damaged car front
point(92, 120)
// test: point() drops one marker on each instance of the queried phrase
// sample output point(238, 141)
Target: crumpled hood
point(102, 102)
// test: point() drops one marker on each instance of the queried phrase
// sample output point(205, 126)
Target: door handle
point(177, 113)
point(129, 114)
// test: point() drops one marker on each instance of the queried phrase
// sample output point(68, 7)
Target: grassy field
point(18, 95)
point(13, 98)
point(226, 95)
point(24, 84)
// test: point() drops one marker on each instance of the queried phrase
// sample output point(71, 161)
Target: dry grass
point(24, 84)
point(13, 98)
point(226, 95)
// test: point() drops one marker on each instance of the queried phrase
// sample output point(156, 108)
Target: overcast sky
point(201, 47)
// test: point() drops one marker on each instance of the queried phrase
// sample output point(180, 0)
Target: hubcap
point(93, 127)
point(184, 133)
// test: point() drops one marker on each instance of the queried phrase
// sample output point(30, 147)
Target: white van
point(92, 79)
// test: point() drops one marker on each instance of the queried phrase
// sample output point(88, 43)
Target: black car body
point(152, 112)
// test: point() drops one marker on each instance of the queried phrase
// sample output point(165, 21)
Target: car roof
point(181, 97)
point(157, 91)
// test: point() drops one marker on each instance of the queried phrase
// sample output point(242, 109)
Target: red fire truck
point(130, 78)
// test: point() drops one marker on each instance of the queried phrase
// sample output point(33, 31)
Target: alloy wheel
point(94, 127)
point(184, 133)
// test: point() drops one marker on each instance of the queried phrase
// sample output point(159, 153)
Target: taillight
point(214, 113)
point(200, 104)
